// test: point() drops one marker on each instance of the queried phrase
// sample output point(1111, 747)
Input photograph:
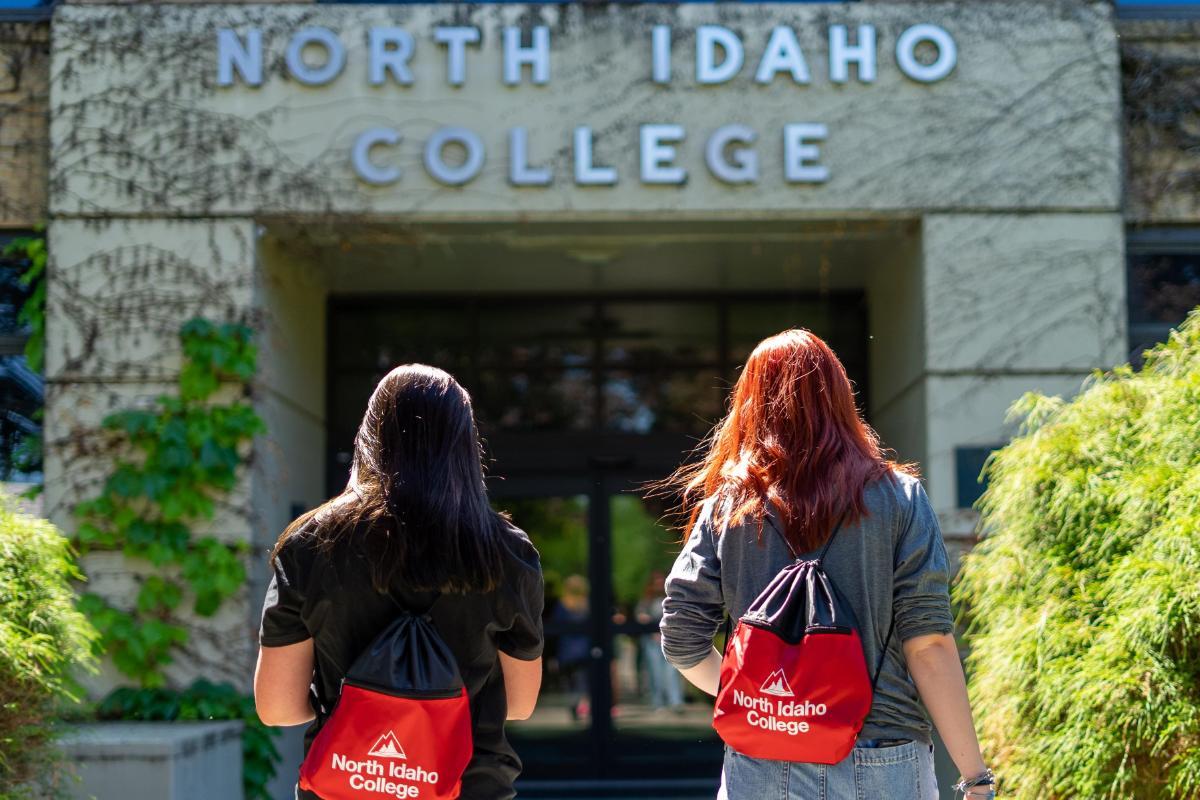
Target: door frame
point(608, 476)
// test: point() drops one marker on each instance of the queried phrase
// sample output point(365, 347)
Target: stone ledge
point(156, 760)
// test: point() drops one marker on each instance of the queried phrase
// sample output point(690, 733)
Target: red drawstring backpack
point(794, 684)
point(401, 727)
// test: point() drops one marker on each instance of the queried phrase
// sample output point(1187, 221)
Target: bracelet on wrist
point(985, 778)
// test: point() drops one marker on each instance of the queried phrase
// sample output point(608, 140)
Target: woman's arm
point(925, 624)
point(706, 675)
point(935, 667)
point(281, 680)
point(522, 682)
point(693, 607)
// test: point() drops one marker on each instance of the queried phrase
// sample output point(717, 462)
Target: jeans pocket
point(746, 778)
point(887, 773)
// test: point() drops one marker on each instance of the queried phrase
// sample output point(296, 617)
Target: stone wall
point(118, 293)
point(988, 136)
point(24, 124)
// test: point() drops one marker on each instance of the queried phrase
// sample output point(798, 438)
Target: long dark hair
point(793, 440)
point(416, 494)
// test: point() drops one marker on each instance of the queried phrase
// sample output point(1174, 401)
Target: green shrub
point(1082, 603)
point(43, 638)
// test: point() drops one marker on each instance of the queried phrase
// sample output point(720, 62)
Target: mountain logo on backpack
point(777, 685)
point(387, 747)
point(404, 687)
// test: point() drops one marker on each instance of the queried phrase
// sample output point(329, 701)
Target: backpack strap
point(821, 558)
point(882, 655)
point(437, 595)
point(792, 550)
point(829, 541)
point(783, 538)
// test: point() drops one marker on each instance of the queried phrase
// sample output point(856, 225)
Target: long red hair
point(793, 439)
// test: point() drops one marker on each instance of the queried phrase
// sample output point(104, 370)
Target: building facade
point(590, 213)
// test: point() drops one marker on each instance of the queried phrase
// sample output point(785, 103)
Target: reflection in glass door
point(557, 742)
point(656, 714)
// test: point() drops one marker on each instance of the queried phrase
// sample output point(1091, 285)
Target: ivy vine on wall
point(179, 456)
point(171, 464)
point(32, 250)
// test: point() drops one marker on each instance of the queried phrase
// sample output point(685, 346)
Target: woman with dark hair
point(413, 530)
point(792, 464)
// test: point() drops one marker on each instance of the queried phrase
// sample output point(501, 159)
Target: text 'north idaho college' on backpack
point(401, 726)
point(794, 683)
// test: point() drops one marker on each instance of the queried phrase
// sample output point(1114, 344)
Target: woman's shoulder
point(301, 545)
point(517, 548)
point(311, 547)
point(893, 493)
point(521, 589)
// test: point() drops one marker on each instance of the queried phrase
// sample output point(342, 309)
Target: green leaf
point(125, 482)
point(133, 423)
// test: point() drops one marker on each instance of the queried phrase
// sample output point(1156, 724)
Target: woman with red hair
point(792, 464)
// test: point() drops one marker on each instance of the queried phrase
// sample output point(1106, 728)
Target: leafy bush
point(205, 701)
point(1083, 600)
point(42, 639)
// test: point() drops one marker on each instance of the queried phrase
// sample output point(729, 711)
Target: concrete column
point(24, 136)
point(1013, 303)
point(897, 348)
point(117, 293)
point(289, 467)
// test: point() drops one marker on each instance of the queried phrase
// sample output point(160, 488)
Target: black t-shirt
point(328, 597)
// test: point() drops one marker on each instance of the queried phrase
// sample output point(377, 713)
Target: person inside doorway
point(790, 460)
point(574, 647)
point(666, 691)
point(413, 530)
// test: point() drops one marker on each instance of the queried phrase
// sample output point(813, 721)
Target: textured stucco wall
point(989, 136)
point(118, 292)
point(1013, 303)
point(24, 123)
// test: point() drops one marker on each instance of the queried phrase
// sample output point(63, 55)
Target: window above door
point(632, 364)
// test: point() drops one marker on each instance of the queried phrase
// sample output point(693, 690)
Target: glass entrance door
point(657, 717)
point(559, 741)
point(611, 708)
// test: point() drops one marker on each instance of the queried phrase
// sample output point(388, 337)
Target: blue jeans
point(901, 772)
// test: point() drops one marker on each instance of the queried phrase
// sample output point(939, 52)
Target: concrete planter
point(156, 760)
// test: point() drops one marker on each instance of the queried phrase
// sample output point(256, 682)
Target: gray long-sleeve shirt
point(892, 561)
